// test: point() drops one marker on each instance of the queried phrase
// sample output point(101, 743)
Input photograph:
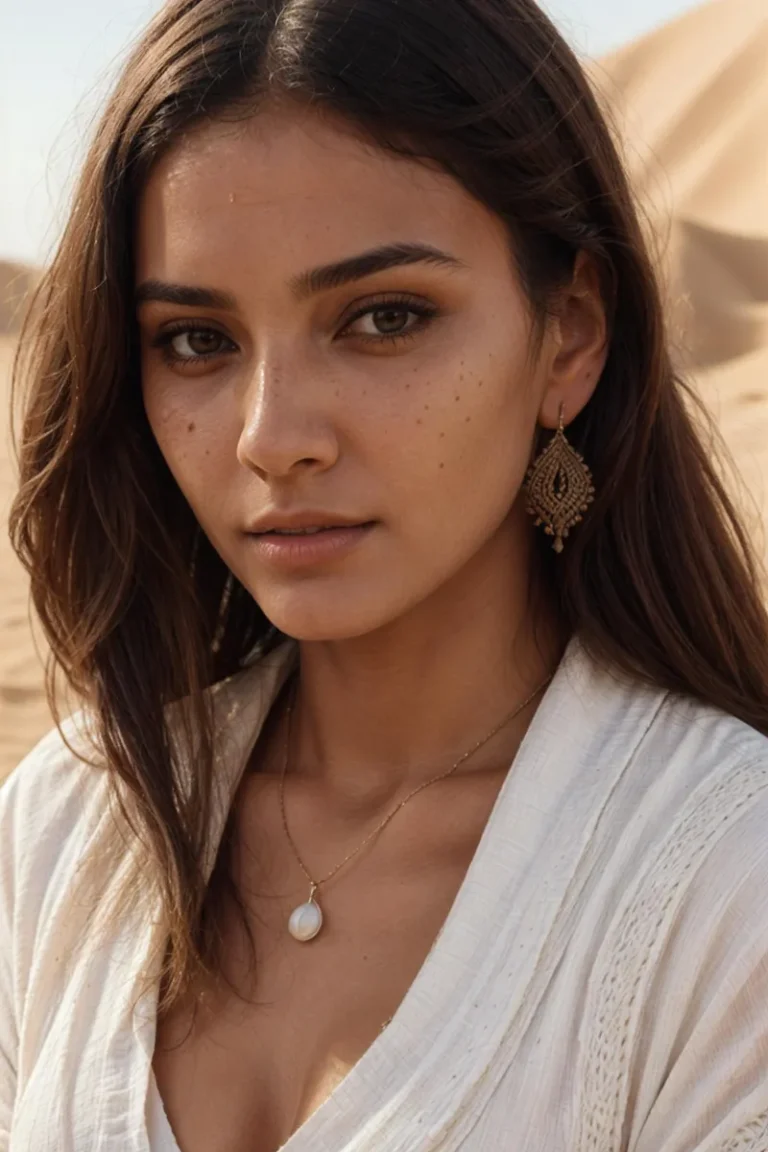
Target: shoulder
point(681, 768)
point(708, 733)
point(52, 803)
point(682, 961)
point(56, 775)
point(671, 743)
point(717, 836)
point(49, 806)
point(700, 782)
point(709, 771)
point(685, 812)
point(615, 715)
point(714, 767)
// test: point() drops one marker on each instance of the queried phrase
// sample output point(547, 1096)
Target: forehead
point(294, 186)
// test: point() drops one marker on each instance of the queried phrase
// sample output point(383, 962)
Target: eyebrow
point(309, 283)
point(367, 264)
point(185, 295)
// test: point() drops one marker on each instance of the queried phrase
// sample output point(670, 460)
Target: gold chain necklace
point(307, 919)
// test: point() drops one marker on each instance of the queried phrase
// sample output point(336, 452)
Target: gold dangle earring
point(559, 487)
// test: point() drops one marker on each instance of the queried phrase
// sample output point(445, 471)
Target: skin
point(414, 645)
point(430, 435)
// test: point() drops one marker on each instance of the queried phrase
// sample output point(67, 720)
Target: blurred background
point(686, 86)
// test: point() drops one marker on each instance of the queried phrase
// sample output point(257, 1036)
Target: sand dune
point(690, 103)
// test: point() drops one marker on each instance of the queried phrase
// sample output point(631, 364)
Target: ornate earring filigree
point(559, 487)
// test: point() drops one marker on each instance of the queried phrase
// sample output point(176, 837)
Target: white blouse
point(600, 983)
point(159, 1131)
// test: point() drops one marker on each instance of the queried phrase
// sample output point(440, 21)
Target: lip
point(302, 518)
point(304, 551)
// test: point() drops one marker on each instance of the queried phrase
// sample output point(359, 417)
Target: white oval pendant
point(306, 921)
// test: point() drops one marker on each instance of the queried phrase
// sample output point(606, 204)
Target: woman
point(419, 793)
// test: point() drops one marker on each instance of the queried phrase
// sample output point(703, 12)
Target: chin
point(305, 617)
point(304, 613)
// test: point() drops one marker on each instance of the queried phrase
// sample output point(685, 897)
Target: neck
point(376, 714)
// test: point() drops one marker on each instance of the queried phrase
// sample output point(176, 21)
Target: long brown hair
point(138, 608)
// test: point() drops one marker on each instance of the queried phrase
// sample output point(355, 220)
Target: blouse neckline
point(495, 902)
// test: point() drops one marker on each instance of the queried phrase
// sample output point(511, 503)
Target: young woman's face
point(333, 331)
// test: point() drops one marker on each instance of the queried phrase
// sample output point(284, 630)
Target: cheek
point(462, 437)
point(192, 441)
point(457, 457)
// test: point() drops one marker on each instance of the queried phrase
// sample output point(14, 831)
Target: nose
point(286, 426)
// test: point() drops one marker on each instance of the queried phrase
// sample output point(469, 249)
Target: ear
point(578, 345)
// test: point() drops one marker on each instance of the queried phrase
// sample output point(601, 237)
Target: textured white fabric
point(599, 985)
point(159, 1131)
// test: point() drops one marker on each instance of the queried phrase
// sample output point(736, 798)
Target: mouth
point(308, 531)
point(297, 547)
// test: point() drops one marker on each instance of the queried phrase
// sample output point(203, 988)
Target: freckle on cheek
point(191, 426)
point(442, 434)
point(442, 465)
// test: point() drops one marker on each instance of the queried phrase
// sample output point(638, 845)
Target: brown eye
point(197, 342)
point(387, 321)
point(390, 321)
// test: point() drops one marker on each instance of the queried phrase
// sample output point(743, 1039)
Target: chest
point(245, 1065)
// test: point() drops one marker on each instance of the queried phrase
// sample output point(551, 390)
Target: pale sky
point(57, 59)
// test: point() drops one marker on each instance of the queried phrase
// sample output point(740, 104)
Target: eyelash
point(425, 312)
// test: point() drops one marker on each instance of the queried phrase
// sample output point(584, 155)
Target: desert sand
point(690, 103)
point(24, 715)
